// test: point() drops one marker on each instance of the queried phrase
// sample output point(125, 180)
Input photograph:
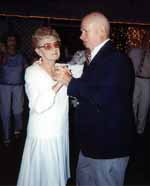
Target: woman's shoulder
point(32, 69)
point(33, 66)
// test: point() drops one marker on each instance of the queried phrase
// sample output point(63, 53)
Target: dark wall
point(116, 10)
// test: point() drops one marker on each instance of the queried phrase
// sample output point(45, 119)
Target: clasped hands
point(62, 75)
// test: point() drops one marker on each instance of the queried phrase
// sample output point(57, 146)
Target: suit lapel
point(102, 53)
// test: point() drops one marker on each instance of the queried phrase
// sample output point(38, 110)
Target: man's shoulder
point(117, 54)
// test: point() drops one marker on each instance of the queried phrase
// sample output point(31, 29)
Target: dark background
point(24, 16)
point(134, 11)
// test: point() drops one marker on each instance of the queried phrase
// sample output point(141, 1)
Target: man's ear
point(102, 30)
point(38, 51)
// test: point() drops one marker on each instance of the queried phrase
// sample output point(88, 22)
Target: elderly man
point(104, 116)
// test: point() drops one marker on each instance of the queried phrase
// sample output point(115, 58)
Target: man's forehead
point(87, 26)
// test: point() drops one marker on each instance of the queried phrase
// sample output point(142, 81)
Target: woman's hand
point(57, 87)
point(62, 75)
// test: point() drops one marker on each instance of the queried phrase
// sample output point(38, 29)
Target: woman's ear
point(38, 51)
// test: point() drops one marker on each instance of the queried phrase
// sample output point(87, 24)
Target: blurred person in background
point(140, 56)
point(12, 68)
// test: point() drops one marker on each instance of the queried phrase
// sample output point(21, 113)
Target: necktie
point(88, 56)
point(87, 59)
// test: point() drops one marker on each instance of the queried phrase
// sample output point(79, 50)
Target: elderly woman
point(45, 160)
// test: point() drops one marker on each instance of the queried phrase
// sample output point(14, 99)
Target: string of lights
point(70, 19)
point(124, 34)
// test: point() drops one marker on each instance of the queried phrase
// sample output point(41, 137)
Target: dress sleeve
point(40, 94)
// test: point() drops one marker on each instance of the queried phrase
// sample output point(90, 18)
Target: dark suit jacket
point(104, 116)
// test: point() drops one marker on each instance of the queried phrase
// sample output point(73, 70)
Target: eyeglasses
point(48, 46)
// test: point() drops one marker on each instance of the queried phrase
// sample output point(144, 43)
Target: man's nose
point(81, 36)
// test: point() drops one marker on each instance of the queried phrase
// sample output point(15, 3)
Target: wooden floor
point(138, 171)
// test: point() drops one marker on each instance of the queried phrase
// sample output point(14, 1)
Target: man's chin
point(85, 44)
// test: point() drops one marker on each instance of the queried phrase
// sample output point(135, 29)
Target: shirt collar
point(97, 48)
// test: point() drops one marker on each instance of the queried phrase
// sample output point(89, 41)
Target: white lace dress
point(45, 160)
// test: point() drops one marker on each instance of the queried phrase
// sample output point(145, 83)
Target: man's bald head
point(98, 20)
point(95, 30)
